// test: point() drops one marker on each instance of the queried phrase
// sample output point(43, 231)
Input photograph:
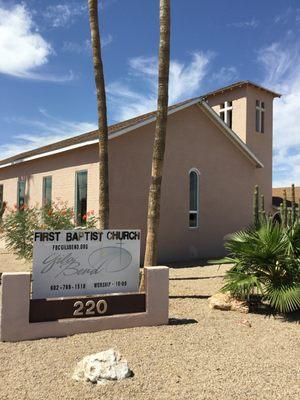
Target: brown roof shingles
point(85, 137)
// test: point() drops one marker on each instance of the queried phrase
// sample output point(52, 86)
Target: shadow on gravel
point(191, 296)
point(192, 278)
point(267, 311)
point(182, 321)
point(292, 317)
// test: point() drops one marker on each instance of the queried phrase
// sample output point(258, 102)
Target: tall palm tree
point(102, 116)
point(160, 136)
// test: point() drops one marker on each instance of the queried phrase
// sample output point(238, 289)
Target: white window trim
point(198, 198)
point(260, 110)
point(225, 110)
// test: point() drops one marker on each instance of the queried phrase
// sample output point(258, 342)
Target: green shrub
point(19, 225)
point(266, 261)
point(57, 217)
point(17, 228)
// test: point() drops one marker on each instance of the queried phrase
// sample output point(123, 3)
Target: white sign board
point(85, 262)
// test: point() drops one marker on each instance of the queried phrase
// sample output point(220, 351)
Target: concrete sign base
point(15, 325)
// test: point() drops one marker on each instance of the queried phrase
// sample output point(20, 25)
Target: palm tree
point(102, 116)
point(266, 261)
point(160, 136)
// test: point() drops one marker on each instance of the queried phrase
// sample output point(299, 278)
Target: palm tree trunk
point(102, 116)
point(160, 136)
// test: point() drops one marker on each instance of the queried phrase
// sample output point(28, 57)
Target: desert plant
point(19, 225)
point(102, 115)
point(266, 261)
point(154, 196)
point(18, 228)
point(256, 207)
point(56, 217)
point(2, 210)
point(284, 210)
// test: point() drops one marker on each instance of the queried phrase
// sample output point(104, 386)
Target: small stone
point(101, 367)
point(245, 322)
point(225, 302)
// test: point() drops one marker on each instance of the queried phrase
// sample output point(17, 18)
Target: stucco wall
point(226, 183)
point(261, 143)
point(239, 108)
point(243, 123)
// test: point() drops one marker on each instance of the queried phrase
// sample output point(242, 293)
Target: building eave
point(235, 139)
point(239, 85)
point(113, 135)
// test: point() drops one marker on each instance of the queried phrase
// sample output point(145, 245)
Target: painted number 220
point(89, 308)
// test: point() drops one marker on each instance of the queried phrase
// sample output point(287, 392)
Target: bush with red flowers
point(19, 224)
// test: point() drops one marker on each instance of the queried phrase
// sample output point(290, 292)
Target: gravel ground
point(201, 354)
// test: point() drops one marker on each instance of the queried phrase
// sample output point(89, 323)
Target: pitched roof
point(240, 84)
point(120, 128)
point(91, 137)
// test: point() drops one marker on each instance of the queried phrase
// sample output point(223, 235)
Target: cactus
point(262, 211)
point(289, 218)
point(294, 215)
point(256, 207)
point(285, 210)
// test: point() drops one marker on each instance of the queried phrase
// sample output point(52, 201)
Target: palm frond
point(285, 298)
point(241, 284)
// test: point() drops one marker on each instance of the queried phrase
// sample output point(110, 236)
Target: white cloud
point(185, 82)
point(79, 48)
point(45, 130)
point(22, 49)
point(225, 75)
point(106, 40)
point(253, 23)
point(281, 62)
point(62, 15)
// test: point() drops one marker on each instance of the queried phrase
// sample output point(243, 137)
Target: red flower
point(84, 217)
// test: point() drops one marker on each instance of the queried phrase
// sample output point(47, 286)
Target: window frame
point(23, 181)
point(197, 212)
point(260, 110)
point(226, 109)
point(44, 203)
point(79, 223)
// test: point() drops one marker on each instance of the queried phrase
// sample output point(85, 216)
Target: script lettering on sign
point(85, 262)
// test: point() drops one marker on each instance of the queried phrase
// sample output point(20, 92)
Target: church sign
point(85, 263)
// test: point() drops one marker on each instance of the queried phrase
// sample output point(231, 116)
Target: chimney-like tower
point(247, 109)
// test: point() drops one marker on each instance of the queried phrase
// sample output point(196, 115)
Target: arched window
point(194, 198)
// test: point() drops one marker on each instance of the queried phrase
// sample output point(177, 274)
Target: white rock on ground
point(105, 366)
point(225, 302)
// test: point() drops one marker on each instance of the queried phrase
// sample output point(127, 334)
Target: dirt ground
point(202, 354)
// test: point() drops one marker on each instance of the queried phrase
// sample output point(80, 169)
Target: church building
point(219, 146)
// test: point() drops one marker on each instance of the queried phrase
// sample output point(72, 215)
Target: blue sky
point(46, 76)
